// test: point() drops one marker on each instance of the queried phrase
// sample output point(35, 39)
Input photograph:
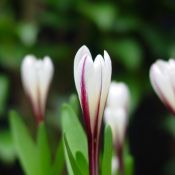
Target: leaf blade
point(107, 153)
point(24, 145)
point(43, 149)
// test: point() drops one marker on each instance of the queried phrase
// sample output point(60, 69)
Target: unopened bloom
point(92, 80)
point(116, 115)
point(116, 111)
point(162, 76)
point(36, 78)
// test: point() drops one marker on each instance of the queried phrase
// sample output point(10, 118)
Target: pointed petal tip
point(106, 56)
point(84, 50)
point(81, 53)
point(84, 47)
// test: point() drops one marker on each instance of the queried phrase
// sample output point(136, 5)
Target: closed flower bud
point(36, 78)
point(116, 115)
point(92, 80)
point(116, 111)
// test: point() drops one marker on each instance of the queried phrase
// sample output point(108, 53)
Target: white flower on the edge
point(116, 111)
point(92, 80)
point(36, 78)
point(162, 76)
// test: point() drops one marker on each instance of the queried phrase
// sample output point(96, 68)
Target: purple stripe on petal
point(85, 108)
point(84, 101)
point(96, 134)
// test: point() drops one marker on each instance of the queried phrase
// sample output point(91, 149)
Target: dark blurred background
point(134, 32)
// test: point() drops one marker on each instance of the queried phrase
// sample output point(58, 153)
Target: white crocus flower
point(116, 115)
point(116, 111)
point(92, 80)
point(36, 78)
point(162, 76)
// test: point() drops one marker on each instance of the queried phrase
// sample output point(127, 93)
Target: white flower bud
point(36, 78)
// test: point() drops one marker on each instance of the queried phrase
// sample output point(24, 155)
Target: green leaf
point(24, 145)
point(7, 150)
point(129, 165)
point(74, 132)
point(58, 163)
point(74, 166)
point(4, 86)
point(74, 103)
point(82, 163)
point(107, 153)
point(44, 153)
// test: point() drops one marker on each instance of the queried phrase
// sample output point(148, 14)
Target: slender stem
point(96, 145)
point(93, 155)
point(119, 153)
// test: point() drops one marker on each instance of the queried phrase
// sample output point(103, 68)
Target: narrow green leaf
point(44, 153)
point(4, 86)
point(74, 166)
point(82, 163)
point(107, 153)
point(129, 165)
point(24, 145)
point(74, 103)
point(7, 150)
point(58, 163)
point(75, 134)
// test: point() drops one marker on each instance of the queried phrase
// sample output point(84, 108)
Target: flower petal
point(106, 80)
point(94, 86)
point(45, 73)
point(161, 83)
point(82, 53)
point(29, 78)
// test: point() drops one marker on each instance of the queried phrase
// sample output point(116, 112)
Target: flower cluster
point(97, 96)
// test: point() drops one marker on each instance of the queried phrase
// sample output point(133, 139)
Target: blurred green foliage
point(135, 33)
